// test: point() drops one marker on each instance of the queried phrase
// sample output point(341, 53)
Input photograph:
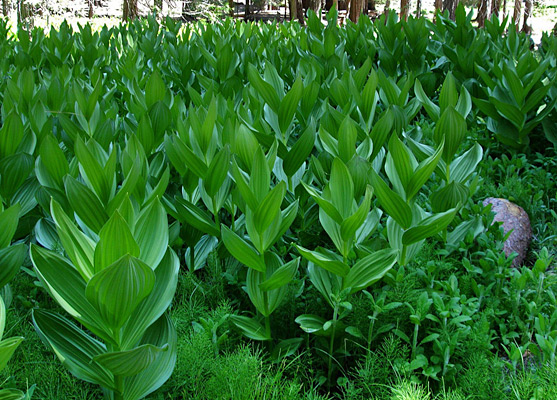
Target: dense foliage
point(314, 190)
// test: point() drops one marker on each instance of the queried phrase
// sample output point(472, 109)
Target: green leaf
point(380, 132)
point(151, 234)
point(217, 172)
point(332, 265)
point(195, 217)
point(351, 224)
point(431, 108)
point(67, 287)
point(281, 276)
point(86, 204)
point(341, 188)
point(463, 166)
point(78, 246)
point(12, 394)
point(269, 208)
point(7, 349)
point(326, 205)
point(54, 161)
point(370, 269)
point(14, 170)
point(391, 202)
point(451, 128)
point(130, 362)
point(155, 89)
point(241, 250)
point(9, 219)
point(150, 310)
point(91, 169)
point(450, 196)
point(311, 323)
point(402, 159)
point(250, 327)
point(11, 260)
point(300, 152)
point(159, 334)
point(260, 177)
point(74, 348)
point(11, 135)
point(347, 136)
point(423, 172)
point(289, 105)
point(115, 241)
point(135, 281)
point(449, 95)
point(265, 90)
point(428, 227)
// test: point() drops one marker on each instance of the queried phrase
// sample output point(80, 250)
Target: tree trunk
point(438, 8)
point(247, 11)
point(404, 9)
point(315, 5)
point(129, 10)
point(495, 7)
point(419, 9)
point(482, 12)
point(517, 9)
point(450, 5)
point(387, 8)
point(356, 8)
point(157, 6)
point(300, 12)
point(90, 10)
point(231, 7)
point(527, 13)
point(5, 8)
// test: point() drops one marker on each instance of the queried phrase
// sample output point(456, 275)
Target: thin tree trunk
point(231, 7)
point(387, 8)
point(129, 10)
point(517, 9)
point(495, 7)
point(90, 10)
point(404, 9)
point(300, 12)
point(482, 12)
point(504, 10)
point(247, 11)
point(356, 7)
point(527, 12)
point(438, 8)
point(5, 8)
point(451, 6)
point(419, 9)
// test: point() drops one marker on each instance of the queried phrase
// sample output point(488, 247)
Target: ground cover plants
point(269, 211)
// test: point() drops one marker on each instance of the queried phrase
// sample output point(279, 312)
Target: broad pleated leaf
point(79, 247)
point(134, 281)
point(250, 327)
point(116, 240)
point(428, 227)
point(391, 202)
point(241, 250)
point(281, 276)
point(151, 234)
point(9, 219)
point(335, 266)
point(74, 348)
point(370, 269)
point(130, 362)
point(11, 260)
point(86, 204)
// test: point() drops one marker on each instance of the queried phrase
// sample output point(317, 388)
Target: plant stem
point(403, 255)
point(415, 340)
point(331, 347)
point(369, 334)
